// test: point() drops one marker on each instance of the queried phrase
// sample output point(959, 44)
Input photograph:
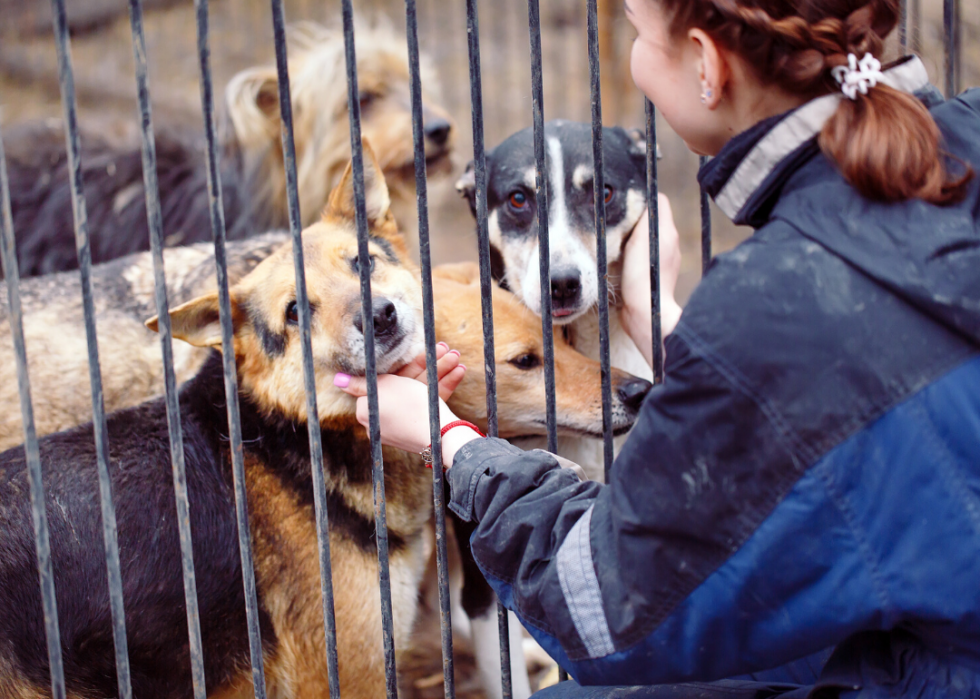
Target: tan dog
point(252, 172)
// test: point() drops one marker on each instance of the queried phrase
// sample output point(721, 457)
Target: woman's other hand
point(636, 311)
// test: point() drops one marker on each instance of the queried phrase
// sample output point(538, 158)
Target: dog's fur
point(571, 234)
point(281, 517)
point(252, 171)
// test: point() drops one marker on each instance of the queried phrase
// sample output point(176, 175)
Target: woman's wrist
point(454, 440)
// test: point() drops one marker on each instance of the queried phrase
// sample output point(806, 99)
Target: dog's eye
point(355, 264)
point(367, 99)
point(292, 313)
point(609, 191)
point(526, 361)
point(518, 201)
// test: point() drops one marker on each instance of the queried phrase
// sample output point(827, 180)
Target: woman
point(808, 475)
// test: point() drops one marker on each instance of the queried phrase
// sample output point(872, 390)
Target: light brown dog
point(252, 171)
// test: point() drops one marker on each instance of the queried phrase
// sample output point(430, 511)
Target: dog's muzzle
point(566, 292)
point(387, 330)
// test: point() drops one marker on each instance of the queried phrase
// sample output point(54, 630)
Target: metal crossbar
point(908, 36)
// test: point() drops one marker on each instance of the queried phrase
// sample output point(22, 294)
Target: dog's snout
point(437, 131)
point(566, 288)
point(633, 391)
point(385, 318)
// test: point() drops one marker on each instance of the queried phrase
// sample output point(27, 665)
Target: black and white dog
point(513, 227)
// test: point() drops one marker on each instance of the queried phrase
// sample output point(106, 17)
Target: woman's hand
point(636, 311)
point(403, 401)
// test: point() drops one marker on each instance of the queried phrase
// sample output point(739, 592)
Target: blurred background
point(242, 37)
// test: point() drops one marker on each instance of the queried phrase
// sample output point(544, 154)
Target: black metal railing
point(908, 35)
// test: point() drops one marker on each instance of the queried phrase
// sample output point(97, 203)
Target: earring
point(706, 95)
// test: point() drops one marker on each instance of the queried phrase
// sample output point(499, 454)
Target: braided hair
point(885, 143)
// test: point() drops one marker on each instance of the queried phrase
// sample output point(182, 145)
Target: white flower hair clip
point(858, 76)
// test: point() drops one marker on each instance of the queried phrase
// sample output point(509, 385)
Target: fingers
point(415, 369)
point(450, 382)
point(352, 385)
point(449, 361)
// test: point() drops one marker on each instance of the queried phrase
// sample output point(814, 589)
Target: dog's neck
point(283, 444)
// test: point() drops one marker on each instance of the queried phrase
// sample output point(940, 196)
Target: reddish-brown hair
point(886, 142)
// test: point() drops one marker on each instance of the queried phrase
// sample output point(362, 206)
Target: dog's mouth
point(577, 431)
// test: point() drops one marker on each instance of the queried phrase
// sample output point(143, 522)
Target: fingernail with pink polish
point(341, 380)
point(443, 344)
point(456, 352)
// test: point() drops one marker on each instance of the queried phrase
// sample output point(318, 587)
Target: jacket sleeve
point(618, 581)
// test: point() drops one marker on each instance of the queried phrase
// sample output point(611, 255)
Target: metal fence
point(908, 28)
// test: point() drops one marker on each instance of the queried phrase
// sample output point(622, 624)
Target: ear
point(466, 185)
point(376, 198)
point(638, 143)
point(196, 322)
point(253, 105)
point(713, 70)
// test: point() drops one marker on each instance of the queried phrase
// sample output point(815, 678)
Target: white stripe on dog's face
point(569, 253)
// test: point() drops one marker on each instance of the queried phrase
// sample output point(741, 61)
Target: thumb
point(352, 385)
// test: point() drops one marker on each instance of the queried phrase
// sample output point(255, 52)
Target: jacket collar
point(749, 172)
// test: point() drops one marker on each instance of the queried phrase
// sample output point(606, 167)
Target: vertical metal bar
point(903, 26)
point(49, 604)
point(915, 19)
point(374, 428)
point(600, 229)
point(217, 216)
point(653, 211)
point(309, 374)
point(101, 432)
point(483, 236)
point(705, 225)
point(155, 223)
point(429, 321)
point(951, 46)
point(542, 202)
point(483, 246)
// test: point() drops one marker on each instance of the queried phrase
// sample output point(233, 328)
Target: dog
point(279, 485)
point(513, 228)
point(252, 171)
point(519, 362)
point(132, 373)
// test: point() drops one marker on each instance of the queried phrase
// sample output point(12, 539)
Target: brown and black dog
point(281, 516)
point(252, 172)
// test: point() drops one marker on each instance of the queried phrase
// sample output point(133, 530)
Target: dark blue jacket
point(808, 474)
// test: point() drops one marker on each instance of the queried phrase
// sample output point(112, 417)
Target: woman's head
point(715, 67)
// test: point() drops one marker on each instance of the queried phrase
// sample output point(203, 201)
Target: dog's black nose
point(385, 317)
point(438, 131)
point(566, 287)
point(633, 391)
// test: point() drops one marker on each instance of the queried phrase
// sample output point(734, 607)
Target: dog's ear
point(466, 185)
point(377, 201)
point(638, 139)
point(253, 105)
point(196, 322)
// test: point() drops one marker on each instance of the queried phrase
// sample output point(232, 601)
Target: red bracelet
point(427, 452)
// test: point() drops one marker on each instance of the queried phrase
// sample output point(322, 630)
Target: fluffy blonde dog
point(252, 171)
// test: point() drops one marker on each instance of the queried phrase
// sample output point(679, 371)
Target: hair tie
point(858, 76)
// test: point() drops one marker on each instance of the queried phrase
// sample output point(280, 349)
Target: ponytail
point(885, 143)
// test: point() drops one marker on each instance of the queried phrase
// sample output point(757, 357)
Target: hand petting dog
point(635, 313)
point(403, 403)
